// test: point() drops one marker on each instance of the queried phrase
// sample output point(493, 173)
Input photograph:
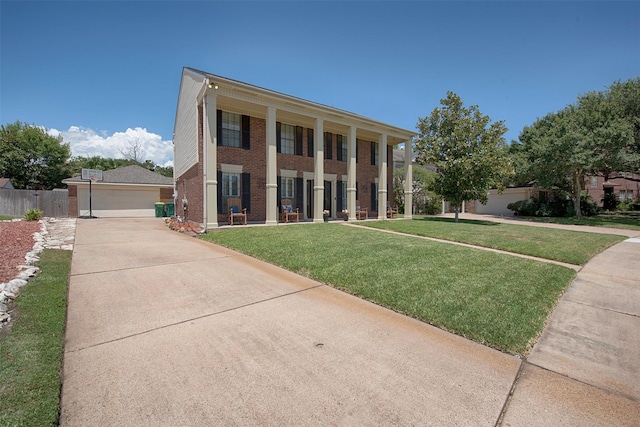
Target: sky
point(103, 74)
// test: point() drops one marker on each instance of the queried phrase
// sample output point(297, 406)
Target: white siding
point(497, 203)
point(185, 138)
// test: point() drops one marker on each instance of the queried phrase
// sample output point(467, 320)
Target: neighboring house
point(236, 141)
point(5, 183)
point(624, 185)
point(129, 191)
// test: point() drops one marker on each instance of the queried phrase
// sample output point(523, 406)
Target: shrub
point(33, 215)
point(623, 206)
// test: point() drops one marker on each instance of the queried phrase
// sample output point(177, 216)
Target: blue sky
point(103, 73)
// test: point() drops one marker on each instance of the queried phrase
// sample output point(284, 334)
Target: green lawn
point(31, 354)
point(494, 299)
point(5, 218)
point(572, 247)
point(626, 222)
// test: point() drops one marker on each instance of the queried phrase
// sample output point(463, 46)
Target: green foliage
point(32, 158)
point(469, 152)
point(424, 201)
point(599, 134)
point(555, 207)
point(33, 214)
point(76, 164)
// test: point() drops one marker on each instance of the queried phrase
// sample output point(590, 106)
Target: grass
point(626, 222)
point(498, 300)
point(572, 247)
point(5, 217)
point(31, 353)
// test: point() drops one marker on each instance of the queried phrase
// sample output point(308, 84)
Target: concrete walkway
point(164, 329)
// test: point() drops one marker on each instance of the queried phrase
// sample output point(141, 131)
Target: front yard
point(498, 300)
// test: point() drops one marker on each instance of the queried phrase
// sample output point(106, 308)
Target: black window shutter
point(219, 126)
point(246, 132)
point(339, 147)
point(373, 153)
point(246, 191)
point(339, 195)
point(357, 198)
point(310, 152)
point(279, 189)
point(220, 207)
point(328, 136)
point(278, 137)
point(299, 194)
point(298, 149)
point(374, 192)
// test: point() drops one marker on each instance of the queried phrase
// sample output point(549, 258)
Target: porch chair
point(236, 211)
point(287, 211)
point(391, 210)
point(361, 213)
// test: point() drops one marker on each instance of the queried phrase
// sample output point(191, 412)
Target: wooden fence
point(53, 203)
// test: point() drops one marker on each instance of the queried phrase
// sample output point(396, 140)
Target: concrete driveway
point(164, 329)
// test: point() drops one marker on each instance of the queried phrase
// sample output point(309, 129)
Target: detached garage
point(129, 191)
point(497, 203)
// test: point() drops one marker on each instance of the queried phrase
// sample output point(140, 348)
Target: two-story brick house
point(233, 140)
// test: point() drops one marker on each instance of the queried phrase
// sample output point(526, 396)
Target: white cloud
point(88, 143)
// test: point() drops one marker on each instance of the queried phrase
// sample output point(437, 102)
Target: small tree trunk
point(456, 210)
point(577, 189)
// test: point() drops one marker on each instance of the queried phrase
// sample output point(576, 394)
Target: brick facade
point(73, 200)
point(190, 185)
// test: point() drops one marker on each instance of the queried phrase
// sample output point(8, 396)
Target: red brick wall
point(166, 195)
point(253, 161)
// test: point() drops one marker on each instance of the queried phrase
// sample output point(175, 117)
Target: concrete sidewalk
point(164, 329)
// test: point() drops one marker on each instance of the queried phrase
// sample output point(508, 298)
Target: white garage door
point(118, 202)
point(497, 203)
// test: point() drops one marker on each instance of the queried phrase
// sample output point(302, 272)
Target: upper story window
point(231, 129)
point(287, 139)
point(375, 153)
point(342, 148)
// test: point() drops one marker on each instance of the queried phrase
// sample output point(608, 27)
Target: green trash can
point(159, 209)
point(170, 209)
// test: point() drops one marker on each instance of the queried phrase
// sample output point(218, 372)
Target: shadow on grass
point(460, 221)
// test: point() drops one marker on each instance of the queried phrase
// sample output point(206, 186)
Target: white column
point(272, 174)
point(351, 173)
point(318, 170)
point(382, 177)
point(408, 180)
point(210, 131)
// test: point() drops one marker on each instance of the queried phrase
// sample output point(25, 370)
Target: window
point(328, 139)
point(310, 150)
point(343, 184)
point(594, 181)
point(288, 187)
point(342, 148)
point(625, 195)
point(375, 155)
point(287, 139)
point(230, 188)
point(230, 129)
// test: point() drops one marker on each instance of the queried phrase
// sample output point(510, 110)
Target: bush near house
point(556, 207)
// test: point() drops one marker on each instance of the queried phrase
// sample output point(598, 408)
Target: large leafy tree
point(31, 158)
point(467, 149)
point(594, 135)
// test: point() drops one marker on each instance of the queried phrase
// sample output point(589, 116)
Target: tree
point(587, 138)
point(424, 201)
point(32, 158)
point(469, 152)
point(133, 151)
